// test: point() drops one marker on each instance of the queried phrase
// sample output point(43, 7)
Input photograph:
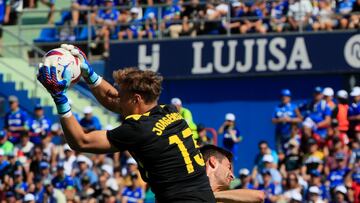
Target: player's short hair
point(211, 150)
point(144, 82)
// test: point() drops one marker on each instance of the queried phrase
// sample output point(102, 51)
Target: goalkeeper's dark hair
point(144, 82)
point(219, 153)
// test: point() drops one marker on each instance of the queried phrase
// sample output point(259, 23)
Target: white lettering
point(197, 66)
point(153, 60)
point(261, 66)
point(242, 68)
point(274, 48)
point(299, 54)
point(218, 46)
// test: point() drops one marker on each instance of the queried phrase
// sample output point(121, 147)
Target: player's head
point(218, 166)
point(137, 89)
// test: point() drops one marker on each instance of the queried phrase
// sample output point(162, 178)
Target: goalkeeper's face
point(129, 103)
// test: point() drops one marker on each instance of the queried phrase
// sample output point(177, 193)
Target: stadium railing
point(160, 34)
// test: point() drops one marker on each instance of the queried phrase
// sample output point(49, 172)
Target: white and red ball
point(61, 59)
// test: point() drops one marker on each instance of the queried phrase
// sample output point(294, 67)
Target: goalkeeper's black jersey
point(167, 155)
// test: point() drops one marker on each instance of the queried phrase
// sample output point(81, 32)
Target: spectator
point(299, 14)
point(293, 158)
point(231, 134)
point(134, 192)
point(20, 187)
point(45, 171)
point(340, 194)
point(132, 169)
point(48, 149)
point(13, 8)
point(14, 165)
point(29, 198)
point(203, 138)
point(5, 144)
point(296, 198)
point(84, 169)
point(268, 187)
point(187, 115)
point(292, 186)
point(191, 14)
point(340, 112)
point(57, 134)
point(51, 194)
point(48, 3)
point(171, 16)
point(355, 18)
point(337, 176)
point(69, 160)
point(355, 155)
point(252, 19)
point(79, 11)
point(276, 178)
point(135, 28)
point(344, 9)
point(245, 179)
point(317, 116)
point(314, 159)
point(328, 93)
point(354, 111)
point(25, 145)
point(107, 19)
point(61, 180)
point(314, 195)
point(285, 115)
point(39, 125)
point(355, 184)
point(4, 19)
point(36, 158)
point(324, 21)
point(264, 149)
point(15, 120)
point(87, 193)
point(278, 19)
point(90, 122)
point(4, 165)
point(108, 174)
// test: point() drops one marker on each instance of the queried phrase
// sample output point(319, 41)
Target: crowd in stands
point(125, 19)
point(316, 156)
point(36, 165)
point(317, 153)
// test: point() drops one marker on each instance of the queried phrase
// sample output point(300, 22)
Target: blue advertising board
point(241, 55)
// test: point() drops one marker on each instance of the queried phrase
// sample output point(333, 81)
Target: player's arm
point(92, 142)
point(240, 195)
point(104, 92)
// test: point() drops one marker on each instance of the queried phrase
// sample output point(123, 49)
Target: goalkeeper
point(157, 137)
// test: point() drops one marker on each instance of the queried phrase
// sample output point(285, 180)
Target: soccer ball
point(62, 59)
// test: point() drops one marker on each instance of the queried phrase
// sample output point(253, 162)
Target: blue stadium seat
point(84, 33)
point(47, 35)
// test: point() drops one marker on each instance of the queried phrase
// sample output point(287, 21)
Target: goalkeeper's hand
point(87, 71)
point(48, 78)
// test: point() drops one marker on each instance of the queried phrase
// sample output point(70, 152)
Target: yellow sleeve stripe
point(187, 132)
point(137, 116)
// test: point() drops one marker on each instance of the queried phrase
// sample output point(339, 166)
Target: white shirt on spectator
point(300, 9)
point(68, 164)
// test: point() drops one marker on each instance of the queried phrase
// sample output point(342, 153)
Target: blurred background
point(259, 78)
